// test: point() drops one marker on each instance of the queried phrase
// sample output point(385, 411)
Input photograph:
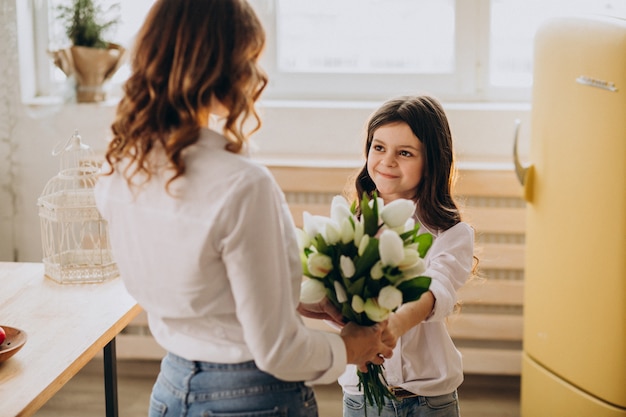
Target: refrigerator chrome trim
point(594, 82)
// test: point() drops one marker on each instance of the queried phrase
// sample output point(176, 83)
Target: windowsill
point(487, 163)
point(369, 104)
point(55, 101)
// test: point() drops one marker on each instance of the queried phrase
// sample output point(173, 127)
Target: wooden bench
point(487, 328)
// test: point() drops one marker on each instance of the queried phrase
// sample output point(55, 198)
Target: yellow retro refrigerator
point(574, 359)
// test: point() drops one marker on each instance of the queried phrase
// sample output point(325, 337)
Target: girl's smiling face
point(395, 161)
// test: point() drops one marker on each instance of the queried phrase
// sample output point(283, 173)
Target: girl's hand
point(408, 316)
point(324, 310)
point(392, 332)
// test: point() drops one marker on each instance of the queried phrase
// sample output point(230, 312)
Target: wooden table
point(66, 325)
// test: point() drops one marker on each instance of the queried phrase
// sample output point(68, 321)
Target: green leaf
point(392, 273)
point(86, 21)
point(424, 242)
point(320, 244)
point(330, 294)
point(356, 286)
point(413, 289)
point(347, 249)
point(348, 313)
point(374, 386)
point(410, 235)
point(365, 262)
point(372, 288)
point(369, 215)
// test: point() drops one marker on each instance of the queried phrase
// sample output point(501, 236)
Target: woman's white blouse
point(425, 360)
point(215, 264)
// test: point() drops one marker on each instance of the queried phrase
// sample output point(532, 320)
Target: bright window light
point(513, 27)
point(365, 36)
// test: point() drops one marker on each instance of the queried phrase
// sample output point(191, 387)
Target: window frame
point(468, 83)
point(461, 84)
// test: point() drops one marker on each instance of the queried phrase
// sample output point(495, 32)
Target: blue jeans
point(203, 389)
point(438, 406)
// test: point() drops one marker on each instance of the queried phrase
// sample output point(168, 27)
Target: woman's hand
point(324, 310)
point(364, 344)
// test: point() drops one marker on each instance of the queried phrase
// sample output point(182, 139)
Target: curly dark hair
point(187, 52)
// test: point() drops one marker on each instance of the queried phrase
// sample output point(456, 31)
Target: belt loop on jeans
point(401, 393)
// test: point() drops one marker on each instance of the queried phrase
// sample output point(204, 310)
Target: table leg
point(110, 379)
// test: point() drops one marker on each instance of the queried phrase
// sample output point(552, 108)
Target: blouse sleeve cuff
point(443, 305)
point(338, 363)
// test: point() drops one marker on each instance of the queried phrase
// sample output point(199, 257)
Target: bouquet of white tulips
point(366, 265)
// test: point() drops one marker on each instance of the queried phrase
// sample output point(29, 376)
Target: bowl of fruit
point(11, 341)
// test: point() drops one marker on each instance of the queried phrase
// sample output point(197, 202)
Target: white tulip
point(347, 266)
point(410, 224)
point(310, 224)
point(390, 298)
point(358, 305)
point(319, 265)
point(375, 312)
point(390, 248)
point(414, 270)
point(312, 291)
point(304, 241)
point(377, 271)
point(399, 230)
point(411, 257)
point(359, 231)
point(331, 233)
point(339, 209)
point(340, 292)
point(365, 240)
point(396, 213)
point(347, 231)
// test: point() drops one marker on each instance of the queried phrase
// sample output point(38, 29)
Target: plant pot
point(91, 68)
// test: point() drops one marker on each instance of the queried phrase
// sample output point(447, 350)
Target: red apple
point(3, 335)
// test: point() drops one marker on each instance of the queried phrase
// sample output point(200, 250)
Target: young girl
point(202, 235)
point(409, 155)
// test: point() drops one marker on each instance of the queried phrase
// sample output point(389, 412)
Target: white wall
point(481, 131)
point(328, 130)
point(320, 130)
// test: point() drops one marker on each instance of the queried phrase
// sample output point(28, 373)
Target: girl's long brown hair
point(186, 52)
point(426, 118)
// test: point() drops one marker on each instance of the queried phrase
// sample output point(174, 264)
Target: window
point(463, 50)
point(356, 36)
point(365, 49)
point(51, 80)
point(513, 24)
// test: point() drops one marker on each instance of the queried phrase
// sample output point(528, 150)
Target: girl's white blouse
point(425, 360)
point(215, 264)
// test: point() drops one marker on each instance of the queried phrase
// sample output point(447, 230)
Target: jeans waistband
point(208, 366)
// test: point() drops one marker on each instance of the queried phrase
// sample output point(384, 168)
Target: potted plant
point(91, 60)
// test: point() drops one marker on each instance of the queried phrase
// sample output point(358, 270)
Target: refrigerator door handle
point(524, 173)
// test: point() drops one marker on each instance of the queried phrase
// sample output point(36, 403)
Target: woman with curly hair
point(202, 235)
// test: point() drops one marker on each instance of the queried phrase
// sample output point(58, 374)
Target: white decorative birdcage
point(74, 235)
